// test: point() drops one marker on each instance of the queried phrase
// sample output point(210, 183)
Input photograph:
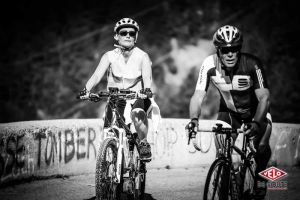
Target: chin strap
point(124, 48)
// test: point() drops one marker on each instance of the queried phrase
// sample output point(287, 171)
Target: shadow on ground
point(147, 197)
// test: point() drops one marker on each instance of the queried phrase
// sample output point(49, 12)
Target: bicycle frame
point(128, 171)
point(242, 152)
point(121, 139)
point(226, 147)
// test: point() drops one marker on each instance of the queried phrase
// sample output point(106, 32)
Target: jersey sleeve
point(204, 77)
point(258, 76)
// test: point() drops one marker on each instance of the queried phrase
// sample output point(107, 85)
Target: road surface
point(162, 184)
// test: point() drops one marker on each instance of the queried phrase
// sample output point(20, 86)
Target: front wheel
point(248, 178)
point(142, 180)
point(106, 185)
point(218, 184)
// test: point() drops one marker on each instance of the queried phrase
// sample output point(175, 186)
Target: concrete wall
point(43, 148)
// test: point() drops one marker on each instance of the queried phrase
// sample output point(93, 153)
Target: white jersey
point(126, 75)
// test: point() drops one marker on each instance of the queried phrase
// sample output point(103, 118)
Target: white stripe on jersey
point(260, 78)
point(207, 64)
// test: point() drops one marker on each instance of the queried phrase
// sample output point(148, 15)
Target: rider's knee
point(138, 114)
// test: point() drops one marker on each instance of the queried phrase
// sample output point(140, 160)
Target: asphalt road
point(162, 184)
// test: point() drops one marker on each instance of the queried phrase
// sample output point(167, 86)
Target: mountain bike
point(119, 168)
point(224, 181)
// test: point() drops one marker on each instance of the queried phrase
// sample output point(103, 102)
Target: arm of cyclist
point(263, 96)
point(96, 77)
point(195, 109)
point(200, 92)
point(147, 78)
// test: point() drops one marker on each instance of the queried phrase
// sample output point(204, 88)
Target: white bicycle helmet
point(228, 36)
point(126, 22)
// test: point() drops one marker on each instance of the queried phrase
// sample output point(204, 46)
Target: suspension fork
point(120, 155)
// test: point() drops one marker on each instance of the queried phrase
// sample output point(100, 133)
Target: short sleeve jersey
point(236, 86)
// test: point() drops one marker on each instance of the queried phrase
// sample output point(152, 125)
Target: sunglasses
point(125, 33)
point(226, 50)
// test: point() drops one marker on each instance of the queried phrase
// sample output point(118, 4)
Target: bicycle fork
point(120, 156)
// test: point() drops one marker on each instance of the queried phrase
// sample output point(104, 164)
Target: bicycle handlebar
point(121, 94)
point(218, 129)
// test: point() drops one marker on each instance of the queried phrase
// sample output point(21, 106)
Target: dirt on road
point(162, 184)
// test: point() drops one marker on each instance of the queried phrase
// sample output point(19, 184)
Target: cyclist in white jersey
point(127, 67)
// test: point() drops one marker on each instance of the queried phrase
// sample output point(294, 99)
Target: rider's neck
point(125, 51)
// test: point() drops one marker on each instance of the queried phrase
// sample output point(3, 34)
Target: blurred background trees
point(50, 49)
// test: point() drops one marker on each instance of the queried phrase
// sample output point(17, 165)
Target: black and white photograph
point(149, 100)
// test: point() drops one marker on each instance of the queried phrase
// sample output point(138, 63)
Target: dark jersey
point(236, 86)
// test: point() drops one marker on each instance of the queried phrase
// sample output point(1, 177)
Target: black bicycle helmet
point(227, 36)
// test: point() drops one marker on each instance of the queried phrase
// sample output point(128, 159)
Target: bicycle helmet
point(126, 22)
point(228, 36)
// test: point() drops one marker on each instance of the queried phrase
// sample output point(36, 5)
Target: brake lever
point(94, 97)
point(192, 134)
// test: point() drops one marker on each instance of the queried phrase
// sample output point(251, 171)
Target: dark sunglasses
point(226, 50)
point(125, 33)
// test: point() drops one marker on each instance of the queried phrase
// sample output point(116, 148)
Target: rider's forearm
point(262, 109)
point(147, 71)
point(195, 106)
point(99, 73)
point(94, 80)
point(147, 81)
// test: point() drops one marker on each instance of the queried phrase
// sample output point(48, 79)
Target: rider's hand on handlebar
point(192, 125)
point(84, 94)
point(251, 128)
point(191, 129)
point(144, 94)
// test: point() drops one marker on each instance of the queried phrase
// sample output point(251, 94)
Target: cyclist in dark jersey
point(241, 82)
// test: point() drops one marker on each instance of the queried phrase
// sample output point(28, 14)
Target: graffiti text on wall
point(66, 145)
point(14, 157)
point(18, 153)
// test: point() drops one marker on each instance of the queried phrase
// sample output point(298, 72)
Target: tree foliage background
point(49, 49)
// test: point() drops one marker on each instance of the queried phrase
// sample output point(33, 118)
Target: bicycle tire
point(221, 180)
point(105, 186)
point(248, 178)
point(140, 194)
point(143, 183)
point(140, 170)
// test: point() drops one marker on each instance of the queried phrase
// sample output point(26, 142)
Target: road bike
point(224, 180)
point(119, 168)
